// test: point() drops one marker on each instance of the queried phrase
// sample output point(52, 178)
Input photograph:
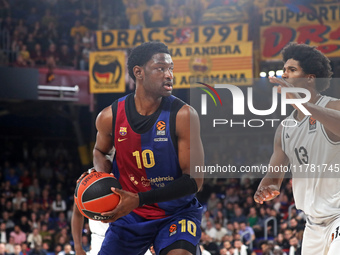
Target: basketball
point(93, 195)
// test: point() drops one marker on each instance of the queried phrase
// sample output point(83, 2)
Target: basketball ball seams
point(108, 182)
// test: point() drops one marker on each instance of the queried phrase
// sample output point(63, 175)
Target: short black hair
point(312, 61)
point(143, 53)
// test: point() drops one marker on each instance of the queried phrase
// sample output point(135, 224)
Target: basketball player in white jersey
point(312, 148)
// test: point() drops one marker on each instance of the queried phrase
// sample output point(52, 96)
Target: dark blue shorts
point(133, 234)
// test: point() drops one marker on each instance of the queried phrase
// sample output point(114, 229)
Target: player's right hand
point(266, 193)
point(91, 170)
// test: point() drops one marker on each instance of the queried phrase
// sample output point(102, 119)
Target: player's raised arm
point(104, 141)
point(329, 117)
point(269, 187)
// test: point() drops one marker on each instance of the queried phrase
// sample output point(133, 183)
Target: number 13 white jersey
point(315, 166)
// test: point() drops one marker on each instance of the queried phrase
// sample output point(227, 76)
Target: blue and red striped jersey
point(146, 152)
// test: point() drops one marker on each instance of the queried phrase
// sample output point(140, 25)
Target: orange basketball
point(93, 195)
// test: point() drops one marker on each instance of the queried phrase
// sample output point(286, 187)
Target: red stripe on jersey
point(132, 173)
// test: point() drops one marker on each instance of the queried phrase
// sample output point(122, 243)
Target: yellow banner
point(215, 63)
point(107, 72)
point(310, 14)
point(326, 37)
point(113, 39)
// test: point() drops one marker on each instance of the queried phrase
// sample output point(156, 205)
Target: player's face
point(158, 78)
point(293, 73)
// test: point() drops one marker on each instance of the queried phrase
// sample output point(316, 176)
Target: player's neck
point(146, 104)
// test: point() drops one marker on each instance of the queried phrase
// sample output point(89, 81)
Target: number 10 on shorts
point(188, 226)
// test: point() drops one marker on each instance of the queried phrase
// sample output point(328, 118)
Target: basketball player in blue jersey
point(150, 131)
point(311, 145)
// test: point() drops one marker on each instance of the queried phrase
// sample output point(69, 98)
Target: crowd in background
point(42, 33)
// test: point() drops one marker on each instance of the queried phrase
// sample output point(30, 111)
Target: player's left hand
point(283, 83)
point(128, 202)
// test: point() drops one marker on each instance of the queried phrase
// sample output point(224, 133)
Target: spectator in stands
point(20, 62)
point(288, 234)
point(220, 218)
point(46, 171)
point(221, 231)
point(8, 24)
point(38, 32)
point(4, 9)
point(247, 233)
point(34, 221)
point(3, 233)
point(252, 217)
point(18, 235)
point(180, 18)
point(6, 219)
point(34, 238)
point(17, 249)
point(67, 250)
point(32, 17)
point(64, 233)
point(85, 243)
point(46, 235)
point(229, 210)
point(25, 179)
point(48, 18)
point(295, 246)
point(37, 56)
point(12, 177)
point(212, 201)
point(21, 28)
point(134, 15)
point(3, 249)
point(9, 207)
point(204, 251)
point(37, 251)
point(157, 14)
point(209, 244)
point(10, 246)
point(239, 216)
point(24, 225)
point(78, 28)
point(45, 201)
point(18, 199)
point(61, 221)
point(84, 61)
point(240, 248)
point(206, 217)
point(51, 34)
point(231, 196)
point(24, 248)
point(66, 58)
point(58, 205)
point(211, 230)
